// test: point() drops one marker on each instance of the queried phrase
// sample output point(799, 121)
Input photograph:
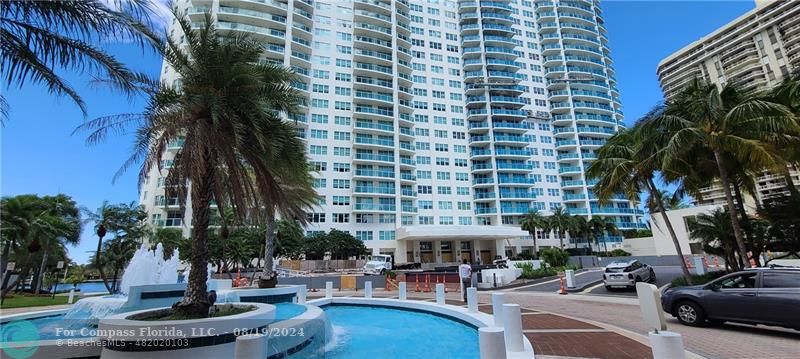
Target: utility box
point(348, 282)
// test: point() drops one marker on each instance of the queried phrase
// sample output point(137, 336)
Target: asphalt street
point(664, 275)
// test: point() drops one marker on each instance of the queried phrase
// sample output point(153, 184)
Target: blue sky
point(40, 156)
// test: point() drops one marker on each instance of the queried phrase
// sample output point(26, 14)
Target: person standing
point(465, 272)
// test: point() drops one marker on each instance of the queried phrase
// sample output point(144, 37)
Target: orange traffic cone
point(716, 262)
point(705, 261)
point(688, 261)
point(563, 289)
point(416, 279)
point(427, 283)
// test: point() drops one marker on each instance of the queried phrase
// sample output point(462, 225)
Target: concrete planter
point(207, 337)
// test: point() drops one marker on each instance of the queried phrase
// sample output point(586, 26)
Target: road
point(664, 275)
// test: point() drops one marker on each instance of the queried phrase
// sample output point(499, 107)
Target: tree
point(671, 201)
point(289, 239)
point(41, 38)
point(342, 245)
point(714, 231)
point(726, 122)
point(170, 239)
point(117, 253)
point(578, 229)
point(125, 221)
point(560, 222)
point(236, 146)
point(530, 223)
point(627, 164)
point(34, 226)
point(600, 227)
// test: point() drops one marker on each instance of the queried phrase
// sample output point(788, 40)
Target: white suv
point(625, 274)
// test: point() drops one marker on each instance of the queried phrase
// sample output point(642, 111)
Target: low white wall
point(504, 276)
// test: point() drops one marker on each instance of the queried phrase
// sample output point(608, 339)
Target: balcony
point(374, 190)
point(372, 207)
point(485, 210)
point(373, 173)
point(570, 169)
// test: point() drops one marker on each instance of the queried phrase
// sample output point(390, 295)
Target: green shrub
point(555, 257)
point(619, 253)
point(698, 279)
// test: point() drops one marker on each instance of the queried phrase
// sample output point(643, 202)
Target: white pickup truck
point(378, 264)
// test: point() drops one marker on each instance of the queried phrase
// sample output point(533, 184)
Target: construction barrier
point(716, 262)
point(348, 282)
point(688, 260)
point(426, 281)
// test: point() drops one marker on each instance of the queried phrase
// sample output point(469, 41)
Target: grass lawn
point(20, 301)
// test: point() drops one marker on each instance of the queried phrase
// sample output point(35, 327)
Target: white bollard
point(71, 296)
point(250, 346)
point(401, 290)
point(440, 293)
point(512, 324)
point(328, 289)
point(491, 343)
point(301, 294)
point(570, 277)
point(472, 300)
point(498, 299)
point(368, 289)
point(666, 345)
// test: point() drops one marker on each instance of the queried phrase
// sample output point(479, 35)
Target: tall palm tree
point(726, 122)
point(560, 221)
point(236, 145)
point(601, 227)
point(123, 220)
point(579, 229)
point(626, 164)
point(532, 221)
point(38, 39)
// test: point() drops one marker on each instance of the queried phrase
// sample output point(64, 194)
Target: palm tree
point(560, 221)
point(578, 229)
point(530, 222)
point(714, 231)
point(123, 220)
point(600, 227)
point(236, 146)
point(726, 122)
point(41, 38)
point(626, 164)
point(671, 201)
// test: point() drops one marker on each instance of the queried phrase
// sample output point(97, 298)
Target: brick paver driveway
point(723, 342)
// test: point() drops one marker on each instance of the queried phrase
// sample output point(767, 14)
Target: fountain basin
point(213, 337)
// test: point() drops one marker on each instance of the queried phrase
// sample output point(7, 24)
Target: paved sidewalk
point(724, 342)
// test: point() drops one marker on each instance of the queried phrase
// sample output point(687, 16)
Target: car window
point(747, 280)
point(781, 280)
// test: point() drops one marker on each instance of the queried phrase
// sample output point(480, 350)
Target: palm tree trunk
point(40, 274)
point(655, 195)
point(732, 210)
point(4, 259)
point(100, 265)
point(269, 247)
point(535, 247)
point(195, 300)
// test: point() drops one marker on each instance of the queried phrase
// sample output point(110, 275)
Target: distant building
point(660, 244)
point(757, 50)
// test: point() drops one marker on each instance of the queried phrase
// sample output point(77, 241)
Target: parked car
point(768, 296)
point(378, 264)
point(625, 274)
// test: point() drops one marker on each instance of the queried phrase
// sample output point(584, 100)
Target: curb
point(529, 282)
point(584, 286)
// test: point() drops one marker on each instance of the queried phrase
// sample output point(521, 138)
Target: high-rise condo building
point(434, 126)
point(757, 50)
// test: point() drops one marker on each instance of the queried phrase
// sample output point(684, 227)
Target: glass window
point(747, 280)
point(781, 280)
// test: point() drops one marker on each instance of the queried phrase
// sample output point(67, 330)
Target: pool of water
point(56, 327)
point(85, 287)
point(378, 332)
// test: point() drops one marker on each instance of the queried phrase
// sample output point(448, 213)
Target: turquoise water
point(48, 327)
point(85, 287)
point(377, 332)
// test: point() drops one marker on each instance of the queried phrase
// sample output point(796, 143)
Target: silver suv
point(625, 274)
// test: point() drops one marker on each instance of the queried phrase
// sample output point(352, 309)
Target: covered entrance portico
point(449, 245)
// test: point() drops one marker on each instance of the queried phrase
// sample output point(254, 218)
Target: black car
point(769, 296)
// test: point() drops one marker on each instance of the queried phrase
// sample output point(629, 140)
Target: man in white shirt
point(465, 272)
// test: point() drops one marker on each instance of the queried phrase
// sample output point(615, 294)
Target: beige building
point(757, 50)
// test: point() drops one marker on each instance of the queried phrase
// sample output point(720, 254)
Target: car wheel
point(652, 276)
point(608, 288)
point(690, 313)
